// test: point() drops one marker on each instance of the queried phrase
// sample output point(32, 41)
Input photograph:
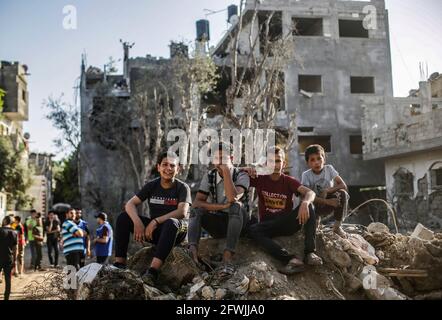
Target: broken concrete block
point(422, 233)
point(352, 283)
point(208, 293)
point(339, 257)
point(197, 287)
point(115, 284)
point(254, 285)
point(362, 248)
point(220, 294)
point(378, 227)
point(178, 269)
point(378, 287)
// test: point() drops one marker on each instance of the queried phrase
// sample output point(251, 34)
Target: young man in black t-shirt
point(169, 200)
point(8, 252)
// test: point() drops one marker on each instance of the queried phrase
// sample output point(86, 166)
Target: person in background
point(72, 237)
point(104, 239)
point(30, 223)
point(21, 244)
point(52, 227)
point(8, 252)
point(83, 225)
point(37, 233)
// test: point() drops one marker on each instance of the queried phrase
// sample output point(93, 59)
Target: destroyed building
point(406, 133)
point(13, 80)
point(106, 175)
point(342, 62)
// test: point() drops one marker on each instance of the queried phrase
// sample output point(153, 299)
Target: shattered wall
point(414, 186)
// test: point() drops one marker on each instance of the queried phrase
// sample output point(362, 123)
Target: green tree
point(15, 177)
point(2, 94)
point(65, 180)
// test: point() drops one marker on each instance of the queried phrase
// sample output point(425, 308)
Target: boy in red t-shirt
point(278, 218)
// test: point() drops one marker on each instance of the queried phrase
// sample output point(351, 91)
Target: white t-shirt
point(319, 182)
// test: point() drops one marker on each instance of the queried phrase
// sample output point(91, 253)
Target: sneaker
point(313, 259)
point(150, 278)
point(120, 265)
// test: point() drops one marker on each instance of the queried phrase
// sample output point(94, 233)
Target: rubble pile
point(370, 263)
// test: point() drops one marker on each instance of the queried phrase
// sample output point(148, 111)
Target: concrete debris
point(207, 293)
point(370, 263)
point(422, 233)
point(220, 294)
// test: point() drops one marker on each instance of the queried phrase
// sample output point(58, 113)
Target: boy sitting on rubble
point(330, 188)
point(169, 200)
point(220, 207)
point(277, 218)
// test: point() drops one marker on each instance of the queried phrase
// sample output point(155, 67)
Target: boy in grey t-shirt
point(220, 207)
point(330, 188)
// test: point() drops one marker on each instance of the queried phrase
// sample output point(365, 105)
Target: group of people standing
point(221, 209)
point(72, 236)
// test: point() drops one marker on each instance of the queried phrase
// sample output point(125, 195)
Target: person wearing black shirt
point(169, 200)
point(52, 228)
point(8, 252)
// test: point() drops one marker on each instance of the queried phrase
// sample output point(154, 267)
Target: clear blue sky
point(31, 32)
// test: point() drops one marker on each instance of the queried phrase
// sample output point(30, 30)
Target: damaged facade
point(406, 133)
point(13, 80)
point(339, 65)
point(106, 175)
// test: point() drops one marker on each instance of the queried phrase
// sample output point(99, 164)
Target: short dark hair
point(33, 211)
point(18, 218)
point(276, 150)
point(314, 149)
point(167, 154)
point(6, 221)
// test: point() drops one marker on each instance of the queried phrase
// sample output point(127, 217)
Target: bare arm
point(131, 209)
point(340, 185)
point(308, 196)
point(180, 213)
point(233, 193)
point(201, 202)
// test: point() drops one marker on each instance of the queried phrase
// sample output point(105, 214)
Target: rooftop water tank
point(202, 30)
point(232, 11)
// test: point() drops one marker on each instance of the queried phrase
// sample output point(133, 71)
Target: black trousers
point(73, 259)
point(39, 252)
point(284, 225)
point(165, 236)
point(102, 259)
point(52, 243)
point(7, 269)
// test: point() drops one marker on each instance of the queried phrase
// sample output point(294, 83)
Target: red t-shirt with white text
point(275, 197)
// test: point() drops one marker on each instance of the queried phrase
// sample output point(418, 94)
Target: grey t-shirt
point(319, 182)
point(242, 180)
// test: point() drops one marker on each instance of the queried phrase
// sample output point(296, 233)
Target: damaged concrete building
point(342, 61)
point(406, 133)
point(106, 175)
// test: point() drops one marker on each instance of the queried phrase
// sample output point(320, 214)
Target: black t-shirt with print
point(162, 201)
